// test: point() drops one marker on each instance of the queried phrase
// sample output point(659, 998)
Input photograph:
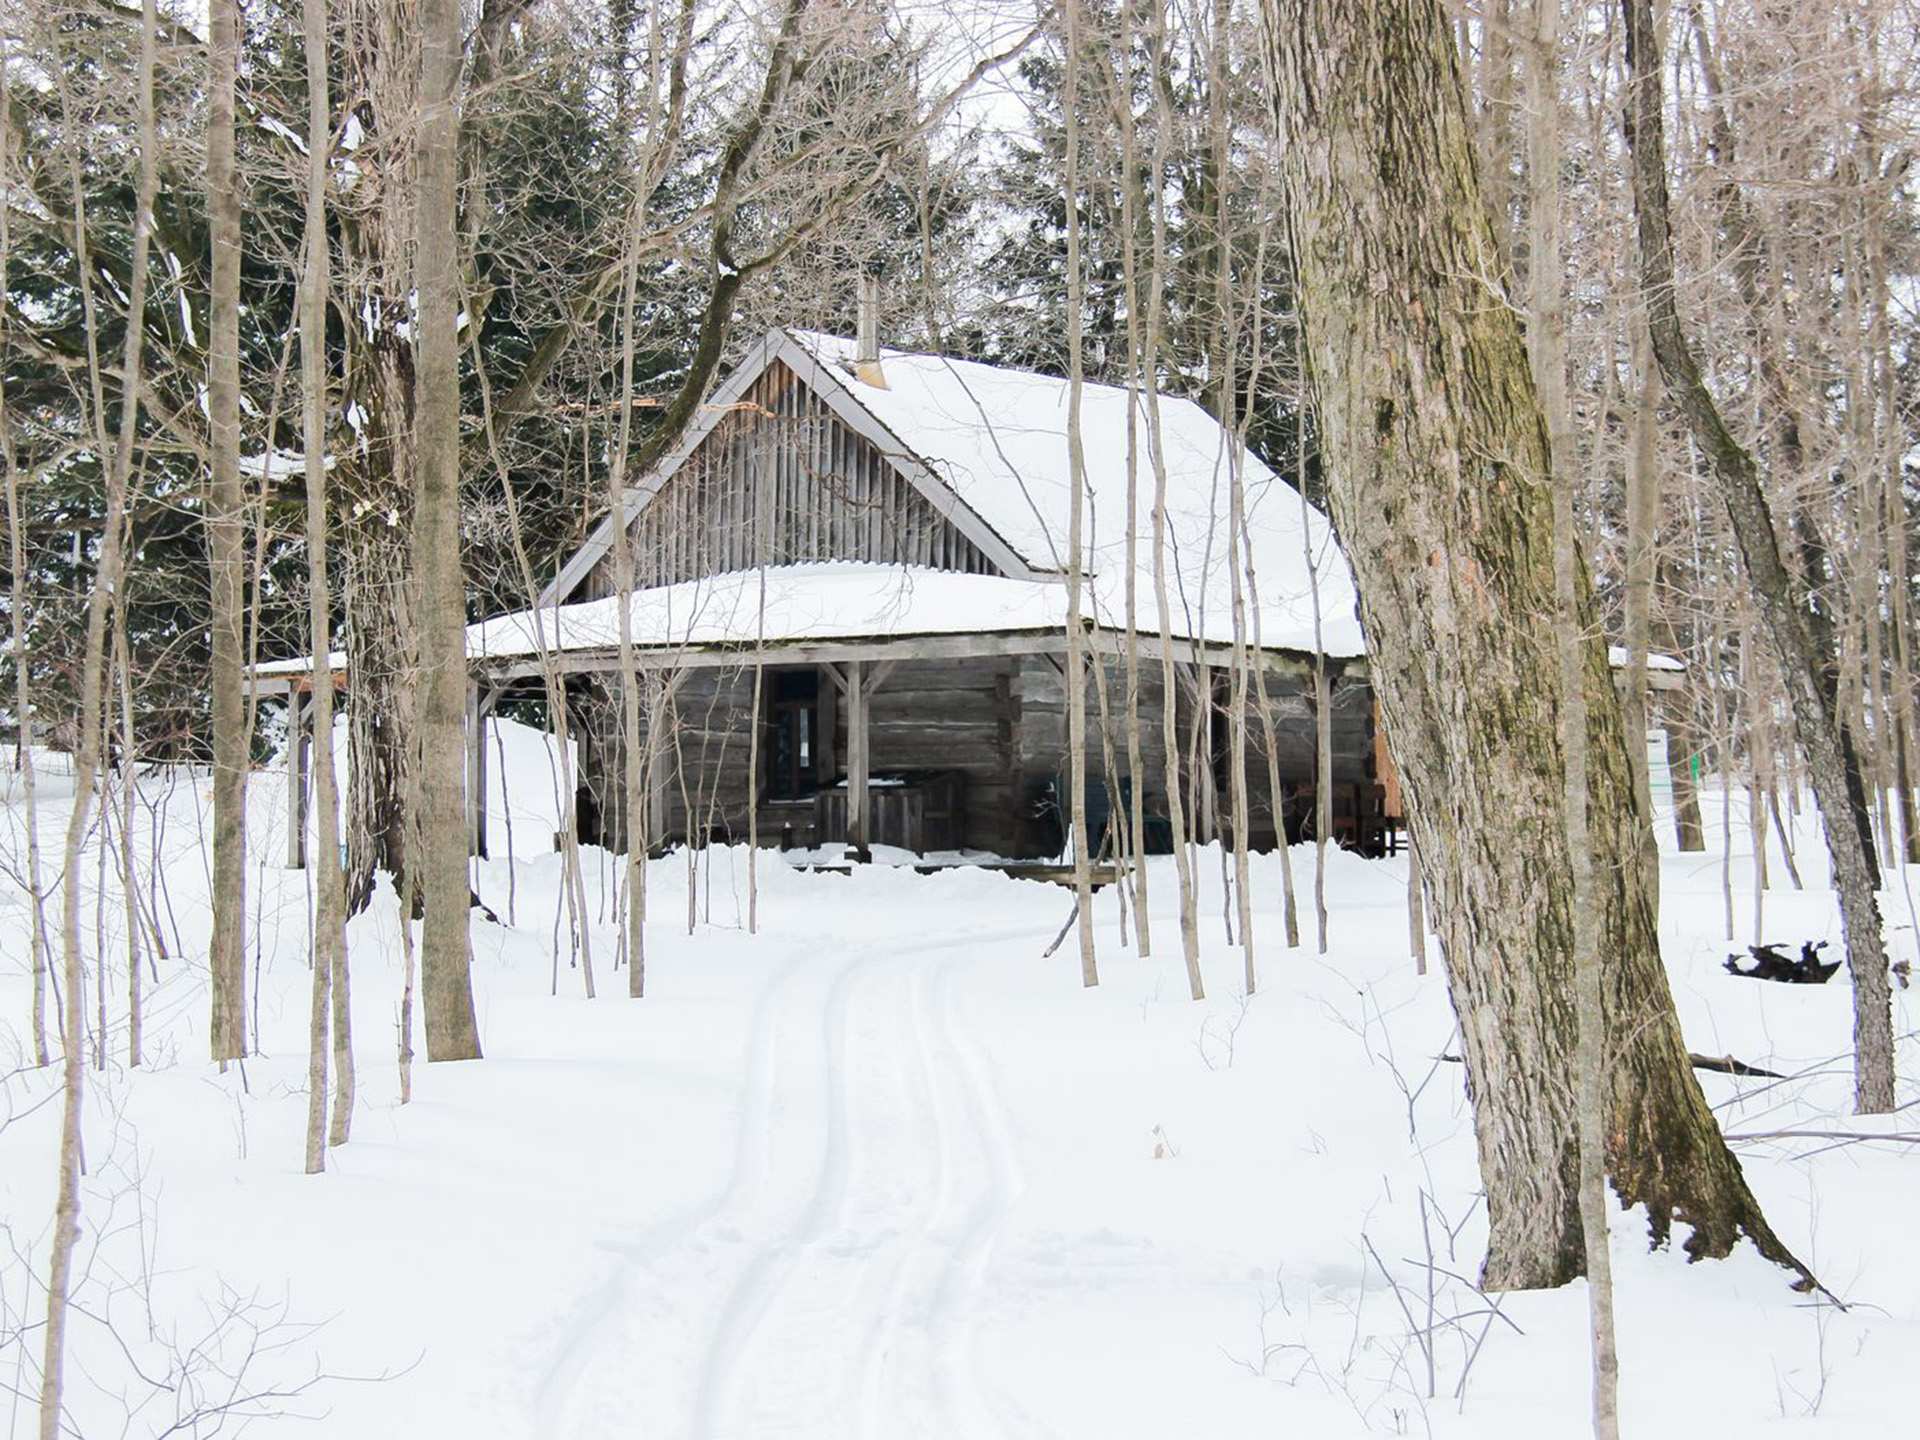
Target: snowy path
point(842, 1261)
point(882, 1171)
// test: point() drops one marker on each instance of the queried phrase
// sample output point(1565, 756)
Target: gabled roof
point(988, 447)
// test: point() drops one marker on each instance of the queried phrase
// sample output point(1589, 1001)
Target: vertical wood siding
point(782, 480)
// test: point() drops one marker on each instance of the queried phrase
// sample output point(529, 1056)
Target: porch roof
point(843, 602)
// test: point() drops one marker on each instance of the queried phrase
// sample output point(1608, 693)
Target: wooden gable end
point(780, 480)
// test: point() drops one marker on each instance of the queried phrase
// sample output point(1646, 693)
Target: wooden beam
point(965, 645)
point(803, 652)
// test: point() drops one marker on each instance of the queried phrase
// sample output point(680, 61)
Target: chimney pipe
point(869, 318)
point(866, 355)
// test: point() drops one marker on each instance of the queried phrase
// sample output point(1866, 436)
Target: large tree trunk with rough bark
point(1547, 355)
point(372, 483)
point(1441, 482)
point(445, 983)
point(1833, 761)
point(226, 526)
point(378, 582)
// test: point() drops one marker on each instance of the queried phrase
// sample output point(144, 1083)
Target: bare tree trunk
point(1757, 698)
point(1546, 355)
point(1832, 760)
point(1120, 91)
point(118, 462)
point(1441, 480)
point(403, 1023)
point(446, 985)
point(1683, 756)
point(16, 611)
point(1156, 452)
point(573, 884)
point(129, 778)
point(1322, 724)
point(320, 986)
point(1894, 529)
point(632, 764)
point(1076, 512)
point(226, 505)
point(329, 950)
point(1322, 781)
point(1227, 358)
point(1416, 907)
point(1643, 519)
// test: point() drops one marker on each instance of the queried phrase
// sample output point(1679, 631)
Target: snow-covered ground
point(882, 1170)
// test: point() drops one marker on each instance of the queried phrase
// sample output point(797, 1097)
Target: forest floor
point(883, 1171)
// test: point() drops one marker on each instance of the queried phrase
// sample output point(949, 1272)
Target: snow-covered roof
point(298, 665)
point(1617, 658)
point(995, 441)
point(831, 601)
point(998, 438)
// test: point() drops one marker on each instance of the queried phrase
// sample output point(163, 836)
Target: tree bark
point(632, 763)
point(1156, 453)
point(16, 612)
point(372, 483)
point(1076, 519)
point(117, 459)
point(329, 950)
point(1223, 365)
point(1643, 518)
point(446, 988)
point(1120, 93)
point(1833, 763)
point(129, 779)
point(1547, 358)
point(226, 549)
point(1440, 476)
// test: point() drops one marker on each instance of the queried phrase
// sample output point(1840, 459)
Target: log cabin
point(850, 611)
point(850, 618)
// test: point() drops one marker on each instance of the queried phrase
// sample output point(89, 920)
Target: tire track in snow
point(866, 1185)
point(836, 1306)
point(959, 1378)
point(897, 1336)
point(590, 1331)
point(755, 1293)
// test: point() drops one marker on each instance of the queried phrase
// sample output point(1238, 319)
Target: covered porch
point(767, 714)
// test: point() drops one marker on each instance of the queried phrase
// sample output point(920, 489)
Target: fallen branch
point(1901, 1137)
point(1072, 915)
point(1727, 1065)
point(1719, 1064)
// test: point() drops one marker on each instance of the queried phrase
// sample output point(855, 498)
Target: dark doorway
point(793, 733)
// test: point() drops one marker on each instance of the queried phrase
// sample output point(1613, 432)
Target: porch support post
point(656, 761)
point(660, 688)
point(479, 706)
point(298, 708)
point(857, 758)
